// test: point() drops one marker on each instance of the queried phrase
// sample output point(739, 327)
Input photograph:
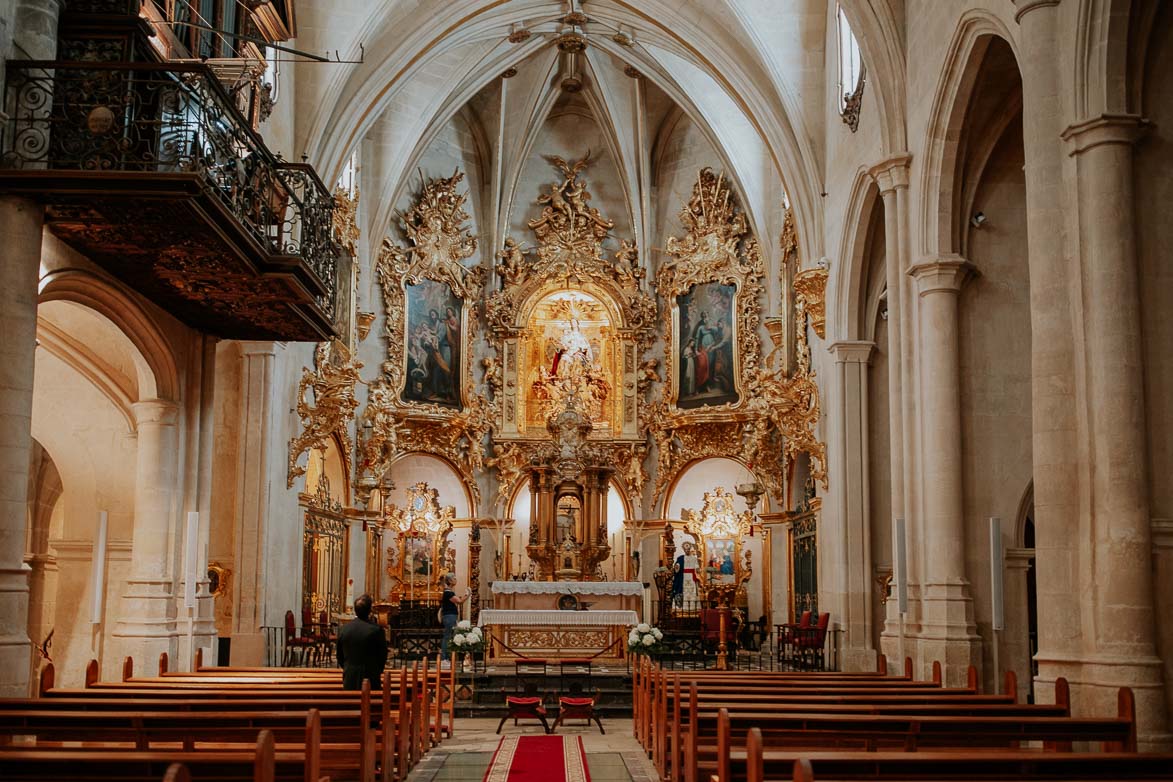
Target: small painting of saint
point(707, 375)
point(434, 340)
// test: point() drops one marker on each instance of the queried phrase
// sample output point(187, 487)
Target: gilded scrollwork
point(440, 246)
point(346, 230)
point(332, 381)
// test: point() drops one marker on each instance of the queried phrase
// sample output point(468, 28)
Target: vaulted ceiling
point(748, 74)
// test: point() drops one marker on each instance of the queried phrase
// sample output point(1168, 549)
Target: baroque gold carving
point(335, 373)
point(440, 246)
point(346, 230)
point(716, 248)
point(810, 286)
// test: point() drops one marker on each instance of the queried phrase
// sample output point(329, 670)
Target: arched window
point(348, 180)
point(851, 71)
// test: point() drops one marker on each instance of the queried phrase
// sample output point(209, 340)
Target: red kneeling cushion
point(576, 701)
point(513, 700)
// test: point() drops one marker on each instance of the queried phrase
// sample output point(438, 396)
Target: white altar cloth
point(566, 587)
point(500, 616)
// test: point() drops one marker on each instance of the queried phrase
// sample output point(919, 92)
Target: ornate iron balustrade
point(169, 119)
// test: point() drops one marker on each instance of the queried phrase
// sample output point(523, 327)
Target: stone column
point(1119, 618)
point(35, 29)
point(146, 624)
point(1015, 648)
point(851, 490)
point(1053, 400)
point(948, 633)
point(249, 592)
point(20, 224)
point(891, 177)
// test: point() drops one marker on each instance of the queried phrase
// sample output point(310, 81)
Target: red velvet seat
point(522, 707)
point(293, 641)
point(578, 708)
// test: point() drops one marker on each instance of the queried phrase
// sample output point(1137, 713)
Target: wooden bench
point(755, 764)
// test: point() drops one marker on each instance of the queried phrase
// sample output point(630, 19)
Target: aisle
point(615, 757)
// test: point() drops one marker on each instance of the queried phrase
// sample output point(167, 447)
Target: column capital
point(258, 348)
point(852, 351)
point(891, 173)
point(1104, 129)
point(1026, 6)
point(944, 275)
point(162, 412)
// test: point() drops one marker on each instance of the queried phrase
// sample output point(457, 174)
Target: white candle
point(99, 571)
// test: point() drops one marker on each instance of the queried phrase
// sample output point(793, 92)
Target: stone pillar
point(1014, 649)
point(35, 31)
point(1053, 400)
point(948, 633)
point(21, 222)
point(1119, 619)
point(249, 592)
point(851, 491)
point(146, 624)
point(891, 177)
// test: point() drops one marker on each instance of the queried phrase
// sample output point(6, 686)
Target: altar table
point(555, 635)
point(545, 594)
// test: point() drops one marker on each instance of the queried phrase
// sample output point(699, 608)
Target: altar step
point(483, 694)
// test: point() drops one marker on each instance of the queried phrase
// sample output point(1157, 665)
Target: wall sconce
point(978, 220)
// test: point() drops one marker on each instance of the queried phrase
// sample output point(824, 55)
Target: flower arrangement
point(644, 639)
point(467, 638)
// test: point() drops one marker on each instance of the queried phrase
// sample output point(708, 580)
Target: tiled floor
point(615, 757)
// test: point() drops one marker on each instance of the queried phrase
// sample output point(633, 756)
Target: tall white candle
point(191, 559)
point(99, 571)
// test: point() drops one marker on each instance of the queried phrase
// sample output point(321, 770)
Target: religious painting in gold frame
point(420, 556)
point(719, 531)
point(713, 285)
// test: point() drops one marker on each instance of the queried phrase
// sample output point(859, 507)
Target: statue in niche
point(509, 262)
point(684, 586)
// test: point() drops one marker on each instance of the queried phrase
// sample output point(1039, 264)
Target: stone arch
point(848, 302)
point(939, 235)
point(732, 471)
point(1025, 515)
point(877, 28)
point(116, 304)
point(332, 463)
point(1111, 37)
point(413, 466)
point(86, 363)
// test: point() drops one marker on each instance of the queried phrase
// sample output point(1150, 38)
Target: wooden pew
point(756, 764)
point(261, 763)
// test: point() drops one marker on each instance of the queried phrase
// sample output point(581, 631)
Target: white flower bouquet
point(467, 638)
point(645, 639)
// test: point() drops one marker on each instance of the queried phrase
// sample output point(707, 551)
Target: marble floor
point(615, 757)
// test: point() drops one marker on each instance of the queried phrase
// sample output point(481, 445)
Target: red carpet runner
point(539, 759)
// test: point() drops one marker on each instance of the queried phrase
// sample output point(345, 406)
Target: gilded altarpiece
point(423, 400)
point(568, 319)
point(720, 398)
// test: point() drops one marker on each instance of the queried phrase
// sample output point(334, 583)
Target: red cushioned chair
point(524, 707)
point(295, 642)
point(809, 644)
point(711, 629)
point(578, 707)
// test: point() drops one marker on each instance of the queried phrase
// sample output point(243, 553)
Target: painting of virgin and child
point(707, 376)
point(434, 334)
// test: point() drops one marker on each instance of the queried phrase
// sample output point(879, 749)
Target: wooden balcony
point(150, 170)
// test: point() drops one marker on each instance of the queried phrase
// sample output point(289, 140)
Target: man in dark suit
point(362, 648)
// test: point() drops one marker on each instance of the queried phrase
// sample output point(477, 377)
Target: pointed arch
point(849, 295)
point(111, 300)
point(975, 31)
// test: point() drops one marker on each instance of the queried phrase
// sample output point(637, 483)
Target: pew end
point(803, 771)
point(128, 668)
point(177, 772)
point(46, 679)
point(199, 659)
point(1125, 710)
point(93, 671)
point(264, 767)
point(1010, 685)
point(908, 668)
point(881, 663)
point(753, 755)
point(313, 745)
point(163, 663)
point(971, 679)
point(1063, 694)
point(937, 677)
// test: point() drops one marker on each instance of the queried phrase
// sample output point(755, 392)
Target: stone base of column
point(202, 632)
point(16, 652)
point(248, 649)
point(1095, 683)
point(948, 634)
point(892, 645)
point(146, 626)
point(858, 658)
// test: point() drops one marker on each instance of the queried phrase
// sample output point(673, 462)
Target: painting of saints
point(707, 374)
point(434, 336)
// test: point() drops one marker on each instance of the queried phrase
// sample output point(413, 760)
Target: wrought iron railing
point(169, 118)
